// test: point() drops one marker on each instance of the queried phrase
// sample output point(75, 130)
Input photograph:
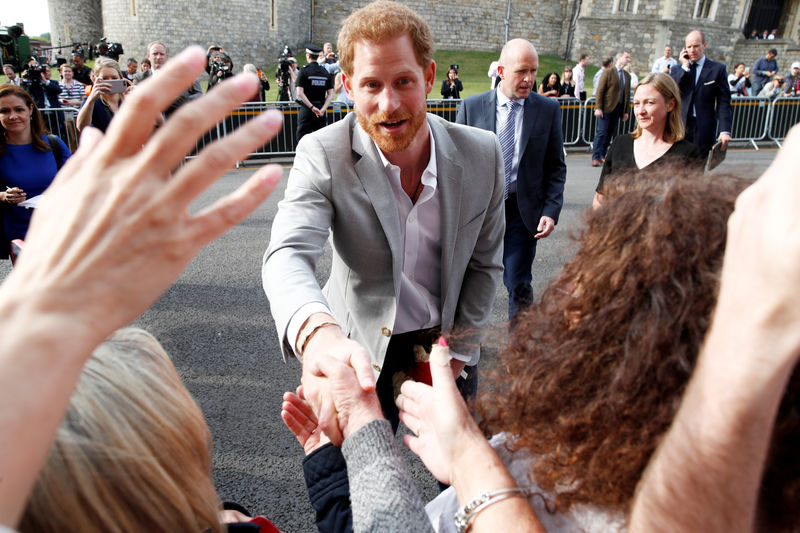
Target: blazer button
point(386, 332)
point(376, 368)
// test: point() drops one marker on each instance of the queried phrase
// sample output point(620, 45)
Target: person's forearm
point(328, 99)
point(41, 358)
point(477, 469)
point(84, 118)
point(710, 463)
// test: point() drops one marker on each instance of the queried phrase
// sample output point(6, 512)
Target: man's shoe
point(596, 163)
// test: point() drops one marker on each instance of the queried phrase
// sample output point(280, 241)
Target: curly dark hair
point(593, 373)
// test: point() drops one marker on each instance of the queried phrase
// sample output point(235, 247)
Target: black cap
point(312, 50)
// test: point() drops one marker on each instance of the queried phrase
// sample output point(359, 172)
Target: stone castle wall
point(71, 22)
point(465, 25)
point(255, 31)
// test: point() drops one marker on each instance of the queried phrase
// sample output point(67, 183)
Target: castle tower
point(74, 21)
point(251, 31)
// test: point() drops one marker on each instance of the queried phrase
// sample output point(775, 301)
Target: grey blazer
point(338, 186)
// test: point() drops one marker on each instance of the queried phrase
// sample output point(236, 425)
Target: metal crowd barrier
point(753, 120)
point(749, 117)
point(62, 122)
point(784, 113)
point(447, 109)
point(571, 120)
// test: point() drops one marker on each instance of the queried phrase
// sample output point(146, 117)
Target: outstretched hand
point(298, 416)
point(439, 419)
point(762, 262)
point(111, 233)
point(114, 229)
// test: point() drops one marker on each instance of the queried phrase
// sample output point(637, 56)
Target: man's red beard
point(392, 142)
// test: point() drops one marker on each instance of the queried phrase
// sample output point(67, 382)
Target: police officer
point(314, 93)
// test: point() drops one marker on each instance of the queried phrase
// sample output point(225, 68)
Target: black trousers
point(308, 122)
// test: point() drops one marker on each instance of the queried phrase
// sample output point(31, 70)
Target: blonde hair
point(133, 452)
point(383, 20)
point(102, 62)
point(674, 130)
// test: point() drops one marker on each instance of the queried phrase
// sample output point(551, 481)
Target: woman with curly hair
point(551, 85)
point(594, 373)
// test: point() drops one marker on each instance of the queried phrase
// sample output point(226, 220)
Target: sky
point(33, 13)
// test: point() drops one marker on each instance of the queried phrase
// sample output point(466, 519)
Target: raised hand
point(298, 416)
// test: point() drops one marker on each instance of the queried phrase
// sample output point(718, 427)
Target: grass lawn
point(473, 66)
point(472, 70)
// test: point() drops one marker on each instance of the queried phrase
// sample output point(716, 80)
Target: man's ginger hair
point(383, 20)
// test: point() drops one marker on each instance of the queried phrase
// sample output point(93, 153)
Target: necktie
point(693, 73)
point(621, 87)
point(506, 137)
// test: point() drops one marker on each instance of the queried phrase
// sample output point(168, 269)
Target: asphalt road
point(215, 323)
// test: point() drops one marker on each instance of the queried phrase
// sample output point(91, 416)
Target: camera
point(221, 68)
point(283, 75)
point(33, 72)
point(331, 60)
point(108, 49)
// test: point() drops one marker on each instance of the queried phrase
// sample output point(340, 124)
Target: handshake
point(332, 404)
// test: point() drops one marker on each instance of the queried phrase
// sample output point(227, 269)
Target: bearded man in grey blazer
point(413, 206)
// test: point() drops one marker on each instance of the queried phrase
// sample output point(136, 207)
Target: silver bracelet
point(464, 516)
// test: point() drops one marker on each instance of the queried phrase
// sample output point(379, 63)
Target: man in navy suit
point(705, 95)
point(533, 152)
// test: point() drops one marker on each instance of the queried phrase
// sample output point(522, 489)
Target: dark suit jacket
point(608, 90)
point(712, 100)
point(542, 171)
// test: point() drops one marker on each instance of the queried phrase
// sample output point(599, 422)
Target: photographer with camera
point(220, 66)
point(104, 48)
point(314, 94)
point(38, 85)
point(451, 86)
point(286, 75)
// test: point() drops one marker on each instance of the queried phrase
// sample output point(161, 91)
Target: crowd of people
point(651, 387)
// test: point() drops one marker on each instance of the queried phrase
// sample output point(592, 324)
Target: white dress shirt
point(419, 299)
point(579, 75)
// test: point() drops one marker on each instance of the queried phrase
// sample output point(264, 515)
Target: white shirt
point(500, 116)
point(596, 80)
point(419, 298)
point(418, 302)
point(579, 75)
point(662, 63)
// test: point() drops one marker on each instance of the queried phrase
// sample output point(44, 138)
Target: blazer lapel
point(449, 181)
point(528, 120)
point(373, 178)
point(486, 119)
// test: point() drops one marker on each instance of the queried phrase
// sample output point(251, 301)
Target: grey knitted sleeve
point(382, 493)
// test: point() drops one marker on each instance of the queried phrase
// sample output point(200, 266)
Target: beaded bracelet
point(464, 516)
